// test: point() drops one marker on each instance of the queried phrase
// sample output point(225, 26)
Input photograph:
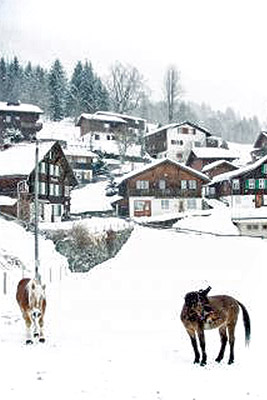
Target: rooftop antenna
point(36, 213)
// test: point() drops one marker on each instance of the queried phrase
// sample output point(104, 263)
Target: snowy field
point(115, 333)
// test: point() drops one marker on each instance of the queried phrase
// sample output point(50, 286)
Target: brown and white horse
point(32, 302)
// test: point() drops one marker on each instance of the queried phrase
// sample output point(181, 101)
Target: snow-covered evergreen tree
point(57, 91)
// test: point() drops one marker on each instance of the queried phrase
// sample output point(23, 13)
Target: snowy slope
point(115, 333)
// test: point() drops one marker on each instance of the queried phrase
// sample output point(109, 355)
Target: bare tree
point(126, 87)
point(172, 90)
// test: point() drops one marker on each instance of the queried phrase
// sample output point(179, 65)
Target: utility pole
point(36, 213)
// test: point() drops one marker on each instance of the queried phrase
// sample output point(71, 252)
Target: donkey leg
point(41, 324)
point(195, 348)
point(231, 331)
point(28, 323)
point(201, 337)
point(223, 336)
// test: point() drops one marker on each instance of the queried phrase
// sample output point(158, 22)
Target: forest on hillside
point(124, 90)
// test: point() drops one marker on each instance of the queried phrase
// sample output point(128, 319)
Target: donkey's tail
point(246, 320)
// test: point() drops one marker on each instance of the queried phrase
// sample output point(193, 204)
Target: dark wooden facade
point(260, 146)
point(198, 162)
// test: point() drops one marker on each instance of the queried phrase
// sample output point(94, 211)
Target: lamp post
point(36, 213)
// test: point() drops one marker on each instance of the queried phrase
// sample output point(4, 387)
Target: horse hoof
point(230, 362)
point(41, 340)
point(29, 341)
point(36, 335)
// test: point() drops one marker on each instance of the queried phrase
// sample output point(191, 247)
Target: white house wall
point(175, 205)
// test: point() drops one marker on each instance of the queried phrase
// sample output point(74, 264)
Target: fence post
point(5, 283)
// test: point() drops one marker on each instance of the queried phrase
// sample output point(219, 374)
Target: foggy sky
point(219, 46)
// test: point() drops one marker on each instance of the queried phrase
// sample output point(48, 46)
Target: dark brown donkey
point(202, 312)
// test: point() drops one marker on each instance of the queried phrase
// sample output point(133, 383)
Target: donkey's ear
point(43, 287)
point(33, 286)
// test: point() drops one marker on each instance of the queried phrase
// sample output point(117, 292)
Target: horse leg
point(201, 337)
point(231, 332)
point(223, 336)
point(28, 323)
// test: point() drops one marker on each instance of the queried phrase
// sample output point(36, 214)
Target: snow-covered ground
point(115, 332)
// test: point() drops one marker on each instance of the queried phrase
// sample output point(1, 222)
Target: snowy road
point(115, 332)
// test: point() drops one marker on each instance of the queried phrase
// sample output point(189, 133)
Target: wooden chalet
point(175, 140)
point(81, 161)
point(202, 156)
point(218, 167)
point(244, 187)
point(163, 187)
point(108, 125)
point(17, 181)
point(23, 117)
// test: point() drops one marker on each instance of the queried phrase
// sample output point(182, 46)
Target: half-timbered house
point(55, 180)
point(162, 187)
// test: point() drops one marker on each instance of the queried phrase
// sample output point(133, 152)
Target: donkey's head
point(192, 299)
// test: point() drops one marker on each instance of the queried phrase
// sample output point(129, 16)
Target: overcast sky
point(220, 47)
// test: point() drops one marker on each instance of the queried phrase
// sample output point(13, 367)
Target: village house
point(21, 117)
point(202, 156)
point(104, 125)
point(243, 188)
point(163, 187)
point(17, 181)
point(175, 141)
point(81, 160)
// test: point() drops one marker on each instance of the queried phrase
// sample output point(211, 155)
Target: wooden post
point(36, 212)
point(5, 283)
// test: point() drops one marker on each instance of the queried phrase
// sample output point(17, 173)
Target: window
point(162, 184)
point(250, 184)
point(264, 168)
point(140, 205)
point(67, 191)
point(261, 183)
point(143, 185)
point(97, 137)
point(192, 184)
point(42, 188)
point(54, 189)
point(183, 184)
point(56, 210)
point(42, 167)
point(8, 118)
point(191, 204)
point(236, 184)
point(173, 141)
point(165, 204)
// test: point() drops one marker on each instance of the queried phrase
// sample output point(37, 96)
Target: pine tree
point(14, 81)
point(57, 91)
point(3, 80)
point(74, 101)
point(88, 88)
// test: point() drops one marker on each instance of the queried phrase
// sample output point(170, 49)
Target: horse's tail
point(246, 320)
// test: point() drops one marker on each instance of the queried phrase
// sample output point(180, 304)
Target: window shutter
point(247, 184)
point(257, 183)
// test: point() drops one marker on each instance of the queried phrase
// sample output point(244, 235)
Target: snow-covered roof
point(20, 107)
point(179, 124)
point(82, 151)
point(240, 171)
point(158, 162)
point(20, 159)
point(100, 117)
point(64, 130)
point(216, 164)
point(109, 113)
point(214, 152)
